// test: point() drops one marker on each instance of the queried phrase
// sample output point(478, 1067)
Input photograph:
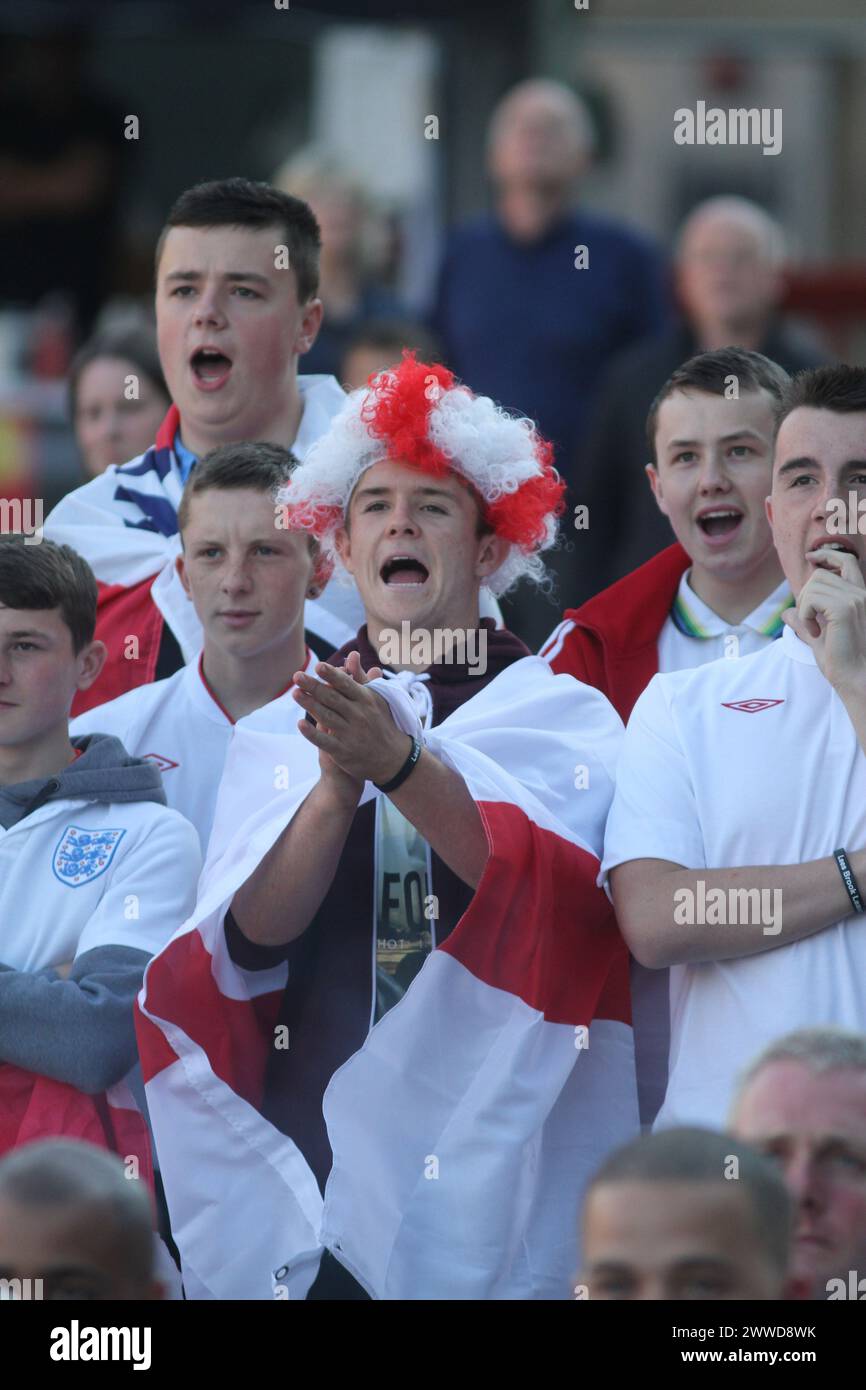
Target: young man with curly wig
point(436, 848)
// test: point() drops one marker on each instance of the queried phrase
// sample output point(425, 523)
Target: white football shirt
point(736, 763)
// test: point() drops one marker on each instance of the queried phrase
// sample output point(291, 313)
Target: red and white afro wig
point(418, 415)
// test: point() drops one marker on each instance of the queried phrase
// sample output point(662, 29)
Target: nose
point(803, 1180)
point(823, 495)
point(236, 576)
point(207, 310)
point(110, 424)
point(712, 477)
point(401, 521)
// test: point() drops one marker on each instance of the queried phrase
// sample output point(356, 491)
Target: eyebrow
point(233, 275)
point(851, 466)
point(267, 539)
point(722, 439)
point(29, 632)
point(420, 491)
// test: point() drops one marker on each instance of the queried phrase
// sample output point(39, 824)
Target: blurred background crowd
point(457, 158)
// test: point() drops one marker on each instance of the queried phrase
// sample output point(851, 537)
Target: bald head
point(729, 259)
point(71, 1217)
point(540, 141)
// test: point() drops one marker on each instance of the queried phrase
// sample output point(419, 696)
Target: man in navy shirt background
point(535, 299)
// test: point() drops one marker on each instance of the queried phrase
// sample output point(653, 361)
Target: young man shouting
point(434, 851)
point(95, 871)
point(236, 307)
point(248, 578)
point(719, 592)
point(736, 844)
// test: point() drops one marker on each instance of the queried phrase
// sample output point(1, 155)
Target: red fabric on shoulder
point(122, 613)
point(614, 642)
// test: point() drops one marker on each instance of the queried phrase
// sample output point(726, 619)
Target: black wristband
point(848, 879)
point(407, 767)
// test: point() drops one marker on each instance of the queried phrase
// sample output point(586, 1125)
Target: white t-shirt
point(693, 634)
point(180, 725)
point(79, 874)
point(737, 763)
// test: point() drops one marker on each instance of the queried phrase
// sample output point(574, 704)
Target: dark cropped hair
point(262, 467)
point(133, 344)
point(244, 203)
point(46, 575)
point(689, 1155)
point(707, 372)
point(839, 388)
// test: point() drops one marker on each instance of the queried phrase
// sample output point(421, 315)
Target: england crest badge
point(83, 855)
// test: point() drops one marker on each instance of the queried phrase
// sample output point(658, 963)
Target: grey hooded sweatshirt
point(79, 1029)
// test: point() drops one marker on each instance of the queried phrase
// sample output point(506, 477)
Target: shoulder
point(477, 232)
point(616, 235)
point(95, 494)
point(135, 704)
point(690, 694)
point(531, 681)
point(158, 836)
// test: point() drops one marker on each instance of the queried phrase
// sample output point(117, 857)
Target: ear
point(492, 550)
point(655, 483)
point(768, 508)
point(180, 566)
point(310, 325)
point(91, 660)
point(343, 547)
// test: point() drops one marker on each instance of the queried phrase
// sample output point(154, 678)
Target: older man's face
point(534, 162)
point(814, 1125)
point(724, 274)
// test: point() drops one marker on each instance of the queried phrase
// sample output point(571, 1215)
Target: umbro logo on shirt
point(162, 763)
point(751, 706)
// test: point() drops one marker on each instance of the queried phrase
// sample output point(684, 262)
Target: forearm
point(662, 909)
point(437, 802)
point(856, 708)
point(78, 1030)
point(280, 899)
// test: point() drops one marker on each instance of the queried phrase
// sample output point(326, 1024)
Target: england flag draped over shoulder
point(466, 1125)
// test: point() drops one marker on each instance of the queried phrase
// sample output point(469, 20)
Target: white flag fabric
point(465, 1127)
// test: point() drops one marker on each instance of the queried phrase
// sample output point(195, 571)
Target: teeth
point(707, 515)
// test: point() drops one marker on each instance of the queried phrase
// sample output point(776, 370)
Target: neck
point(280, 428)
point(24, 762)
point(407, 645)
point(734, 599)
point(714, 334)
point(244, 684)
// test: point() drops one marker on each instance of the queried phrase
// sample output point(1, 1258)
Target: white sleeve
point(654, 813)
point(152, 887)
